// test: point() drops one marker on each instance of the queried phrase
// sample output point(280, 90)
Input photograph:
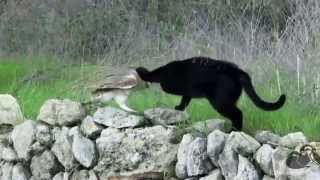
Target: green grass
point(56, 83)
point(290, 118)
point(61, 78)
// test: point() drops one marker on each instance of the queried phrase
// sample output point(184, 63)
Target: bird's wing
point(120, 82)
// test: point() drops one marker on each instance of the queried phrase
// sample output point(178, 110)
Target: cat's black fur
point(219, 81)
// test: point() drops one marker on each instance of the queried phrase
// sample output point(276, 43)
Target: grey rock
point(2, 146)
point(10, 112)
point(37, 148)
point(61, 112)
point(210, 125)
point(264, 159)
point(197, 158)
point(242, 143)
point(117, 118)
point(279, 156)
point(108, 143)
point(58, 176)
point(136, 151)
point(73, 131)
point(89, 128)
point(92, 175)
point(44, 166)
point(84, 150)
point(9, 155)
point(142, 176)
point(165, 116)
point(267, 137)
point(6, 171)
point(5, 131)
point(56, 132)
point(213, 175)
point(62, 176)
point(6, 138)
point(62, 149)
point(181, 166)
point(228, 162)
point(23, 136)
point(43, 134)
point(246, 170)
point(215, 145)
point(265, 177)
point(292, 140)
point(283, 172)
point(20, 173)
point(192, 178)
point(84, 175)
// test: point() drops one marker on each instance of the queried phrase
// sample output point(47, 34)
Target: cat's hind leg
point(229, 111)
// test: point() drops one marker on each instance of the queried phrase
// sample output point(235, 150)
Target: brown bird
point(118, 87)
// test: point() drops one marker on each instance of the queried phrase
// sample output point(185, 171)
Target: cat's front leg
point(185, 100)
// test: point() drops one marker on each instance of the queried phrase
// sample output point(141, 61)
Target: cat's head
point(142, 72)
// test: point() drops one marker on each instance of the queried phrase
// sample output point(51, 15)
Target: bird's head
point(139, 73)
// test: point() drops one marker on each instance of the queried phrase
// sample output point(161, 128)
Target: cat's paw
point(178, 108)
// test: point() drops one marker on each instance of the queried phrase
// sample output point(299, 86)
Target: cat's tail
point(245, 81)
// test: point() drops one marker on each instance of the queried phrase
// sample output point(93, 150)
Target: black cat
point(219, 81)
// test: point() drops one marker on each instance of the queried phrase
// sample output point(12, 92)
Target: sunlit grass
point(294, 116)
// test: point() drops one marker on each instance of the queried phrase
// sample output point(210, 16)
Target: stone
point(192, 178)
point(9, 155)
point(197, 158)
point(264, 159)
point(62, 176)
point(112, 117)
point(2, 146)
point(89, 128)
point(246, 170)
point(213, 175)
point(181, 166)
point(165, 116)
point(216, 142)
point(242, 143)
point(282, 171)
point(20, 173)
point(43, 134)
point(84, 175)
point(37, 148)
point(279, 156)
point(228, 162)
point(45, 165)
point(209, 125)
point(6, 171)
point(10, 111)
point(142, 176)
point(84, 150)
point(266, 177)
point(61, 112)
point(62, 149)
point(136, 151)
point(267, 137)
point(23, 136)
point(5, 131)
point(292, 140)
